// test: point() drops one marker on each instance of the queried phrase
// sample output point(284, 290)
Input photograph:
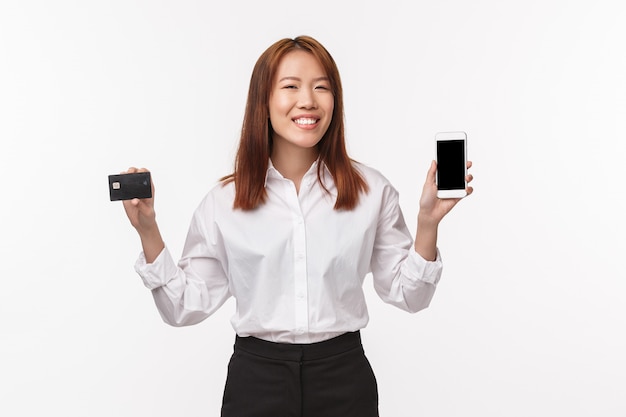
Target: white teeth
point(305, 121)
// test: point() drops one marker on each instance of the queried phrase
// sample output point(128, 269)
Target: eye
point(322, 87)
point(290, 86)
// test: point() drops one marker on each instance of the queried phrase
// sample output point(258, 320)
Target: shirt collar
point(272, 172)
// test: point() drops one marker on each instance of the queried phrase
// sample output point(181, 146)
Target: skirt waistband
point(299, 351)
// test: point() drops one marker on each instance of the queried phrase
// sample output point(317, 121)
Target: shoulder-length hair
point(255, 145)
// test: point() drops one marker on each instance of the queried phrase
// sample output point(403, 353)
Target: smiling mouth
point(304, 121)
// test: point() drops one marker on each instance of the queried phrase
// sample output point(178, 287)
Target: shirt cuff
point(157, 273)
point(419, 269)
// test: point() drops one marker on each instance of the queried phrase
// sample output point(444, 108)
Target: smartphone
point(451, 164)
point(129, 186)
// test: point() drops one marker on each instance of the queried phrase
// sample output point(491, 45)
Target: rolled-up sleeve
point(418, 269)
point(158, 273)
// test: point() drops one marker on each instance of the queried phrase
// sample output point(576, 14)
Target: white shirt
point(294, 265)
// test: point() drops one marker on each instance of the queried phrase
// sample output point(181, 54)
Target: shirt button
point(300, 295)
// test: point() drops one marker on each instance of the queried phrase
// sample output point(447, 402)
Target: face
point(301, 102)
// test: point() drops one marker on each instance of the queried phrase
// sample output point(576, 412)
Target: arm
point(406, 272)
point(143, 218)
point(432, 211)
point(188, 292)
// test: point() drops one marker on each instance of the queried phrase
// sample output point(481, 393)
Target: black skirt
point(324, 379)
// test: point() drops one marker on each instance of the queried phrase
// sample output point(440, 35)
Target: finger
point(432, 171)
point(469, 178)
point(133, 170)
point(469, 164)
point(133, 202)
point(469, 190)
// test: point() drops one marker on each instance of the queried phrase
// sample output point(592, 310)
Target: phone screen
point(450, 164)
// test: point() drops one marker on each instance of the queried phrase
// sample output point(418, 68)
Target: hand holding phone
point(451, 150)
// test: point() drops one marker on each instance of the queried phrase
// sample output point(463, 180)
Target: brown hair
point(255, 145)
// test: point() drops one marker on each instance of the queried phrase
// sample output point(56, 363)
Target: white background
point(529, 318)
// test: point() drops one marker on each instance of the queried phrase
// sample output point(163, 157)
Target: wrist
point(152, 245)
point(150, 235)
point(426, 237)
point(426, 221)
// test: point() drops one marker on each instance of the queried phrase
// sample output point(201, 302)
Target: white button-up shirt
point(294, 265)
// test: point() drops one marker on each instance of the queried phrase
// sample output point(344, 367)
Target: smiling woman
point(291, 235)
point(294, 79)
point(301, 109)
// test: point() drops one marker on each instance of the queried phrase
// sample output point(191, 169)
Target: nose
point(306, 99)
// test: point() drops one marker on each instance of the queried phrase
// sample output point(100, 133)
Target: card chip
point(116, 185)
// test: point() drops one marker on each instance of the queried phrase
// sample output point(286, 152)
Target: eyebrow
point(298, 79)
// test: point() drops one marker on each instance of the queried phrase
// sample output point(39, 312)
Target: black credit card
point(129, 186)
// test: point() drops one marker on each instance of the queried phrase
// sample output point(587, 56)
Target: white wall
point(529, 318)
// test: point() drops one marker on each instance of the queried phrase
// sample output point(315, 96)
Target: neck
point(293, 162)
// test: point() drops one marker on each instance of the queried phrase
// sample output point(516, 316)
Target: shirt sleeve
point(190, 290)
point(401, 276)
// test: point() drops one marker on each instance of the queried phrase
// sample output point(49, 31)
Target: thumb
point(432, 172)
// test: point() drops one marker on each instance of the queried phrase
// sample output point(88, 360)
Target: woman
point(291, 234)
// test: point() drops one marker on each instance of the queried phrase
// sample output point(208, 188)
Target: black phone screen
point(451, 164)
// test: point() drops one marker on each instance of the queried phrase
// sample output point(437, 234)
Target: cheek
point(277, 109)
point(278, 105)
point(330, 109)
point(329, 105)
